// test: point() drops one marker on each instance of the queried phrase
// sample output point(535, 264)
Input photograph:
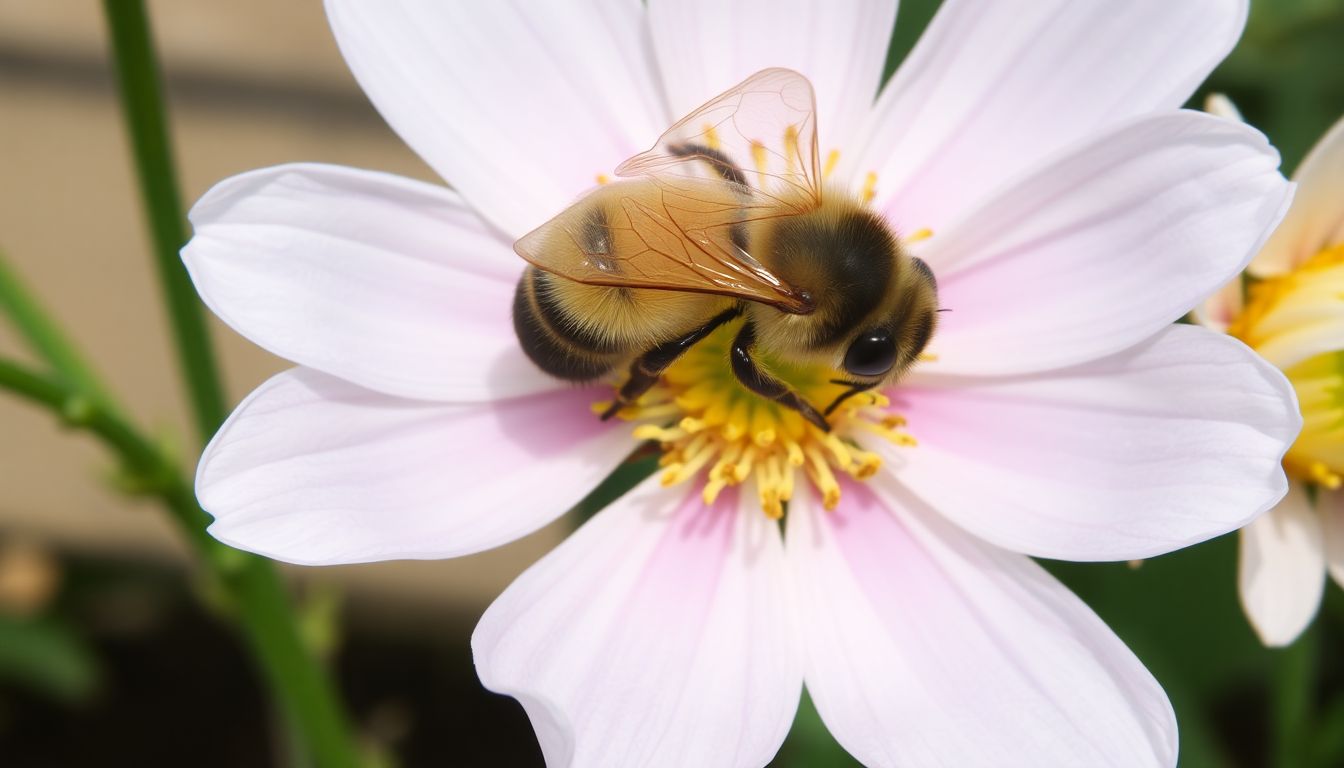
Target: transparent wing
point(761, 134)
point(682, 220)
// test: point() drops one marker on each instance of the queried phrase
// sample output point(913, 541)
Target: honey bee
point(725, 217)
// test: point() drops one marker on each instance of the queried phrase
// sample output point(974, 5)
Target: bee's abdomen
point(551, 339)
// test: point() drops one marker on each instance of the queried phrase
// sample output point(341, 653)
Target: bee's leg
point(646, 369)
point(854, 389)
point(765, 385)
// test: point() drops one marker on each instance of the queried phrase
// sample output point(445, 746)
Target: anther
point(711, 135)
point(832, 159)
point(869, 188)
point(758, 157)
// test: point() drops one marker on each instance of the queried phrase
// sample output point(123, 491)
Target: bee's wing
point(749, 154)
point(762, 133)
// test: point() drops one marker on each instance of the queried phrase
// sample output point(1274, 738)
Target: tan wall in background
point(251, 83)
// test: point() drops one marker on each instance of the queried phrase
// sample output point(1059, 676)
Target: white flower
point(1295, 318)
point(1075, 214)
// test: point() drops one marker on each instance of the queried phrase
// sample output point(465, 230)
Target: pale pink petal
point(312, 469)
point(1103, 246)
point(926, 647)
point(383, 281)
point(993, 88)
point(1330, 505)
point(660, 634)
point(1282, 570)
point(517, 105)
point(1166, 444)
point(705, 47)
point(1219, 310)
point(1316, 220)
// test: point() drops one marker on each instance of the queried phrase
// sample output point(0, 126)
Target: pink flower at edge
point(1076, 213)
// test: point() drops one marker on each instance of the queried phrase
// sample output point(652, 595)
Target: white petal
point(518, 105)
point(1103, 246)
point(1169, 443)
point(311, 469)
point(383, 281)
point(1316, 220)
point(659, 634)
point(992, 88)
point(704, 47)
point(1331, 507)
point(1282, 570)
point(926, 647)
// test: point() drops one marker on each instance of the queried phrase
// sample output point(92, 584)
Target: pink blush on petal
point(686, 563)
point(549, 423)
point(888, 564)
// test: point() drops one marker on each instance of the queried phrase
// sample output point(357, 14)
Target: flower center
point(1290, 309)
point(704, 418)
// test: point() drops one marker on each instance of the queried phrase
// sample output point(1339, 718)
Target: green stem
point(142, 103)
point(1294, 695)
point(42, 334)
point(251, 582)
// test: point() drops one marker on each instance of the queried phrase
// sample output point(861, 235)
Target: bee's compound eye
point(873, 353)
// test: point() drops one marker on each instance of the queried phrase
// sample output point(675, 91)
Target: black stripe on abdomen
point(550, 340)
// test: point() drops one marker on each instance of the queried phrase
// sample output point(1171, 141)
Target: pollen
point(714, 431)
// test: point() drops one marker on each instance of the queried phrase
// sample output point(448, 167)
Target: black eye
point(873, 353)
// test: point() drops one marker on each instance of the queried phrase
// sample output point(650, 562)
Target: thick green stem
point(250, 582)
point(142, 102)
point(1294, 695)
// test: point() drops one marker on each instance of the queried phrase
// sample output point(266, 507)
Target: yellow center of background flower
point(705, 420)
point(1283, 308)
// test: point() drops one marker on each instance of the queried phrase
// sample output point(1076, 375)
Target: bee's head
point(890, 340)
point(876, 306)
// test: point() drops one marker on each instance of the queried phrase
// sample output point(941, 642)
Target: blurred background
point(110, 651)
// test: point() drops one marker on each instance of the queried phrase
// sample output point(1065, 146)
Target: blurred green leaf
point(47, 657)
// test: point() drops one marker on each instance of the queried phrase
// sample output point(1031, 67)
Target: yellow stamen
point(744, 464)
point(653, 432)
point(711, 135)
point(869, 188)
point(1322, 474)
point(920, 235)
point(791, 148)
point(602, 178)
point(712, 489)
point(709, 425)
point(832, 160)
point(758, 157)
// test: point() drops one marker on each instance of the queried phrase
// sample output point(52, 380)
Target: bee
point(725, 218)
